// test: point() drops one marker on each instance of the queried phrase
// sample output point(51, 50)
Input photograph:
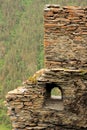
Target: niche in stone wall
point(54, 96)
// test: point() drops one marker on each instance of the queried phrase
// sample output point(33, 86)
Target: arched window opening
point(54, 96)
point(56, 93)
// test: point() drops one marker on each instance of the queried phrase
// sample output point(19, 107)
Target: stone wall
point(65, 37)
point(31, 106)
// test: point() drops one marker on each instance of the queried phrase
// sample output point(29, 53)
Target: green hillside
point(21, 43)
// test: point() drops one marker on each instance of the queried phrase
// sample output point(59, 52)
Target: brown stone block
point(63, 20)
point(47, 43)
point(84, 33)
point(71, 8)
point(76, 20)
point(19, 106)
point(48, 14)
point(50, 25)
point(13, 118)
point(78, 38)
point(69, 93)
point(80, 11)
point(71, 11)
point(17, 125)
point(71, 28)
point(56, 10)
point(30, 104)
point(32, 124)
point(50, 64)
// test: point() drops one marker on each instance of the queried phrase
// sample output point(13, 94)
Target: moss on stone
point(83, 72)
point(33, 79)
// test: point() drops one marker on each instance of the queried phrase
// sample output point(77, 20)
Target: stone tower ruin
point(32, 106)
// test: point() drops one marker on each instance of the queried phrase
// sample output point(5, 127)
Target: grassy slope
point(3, 127)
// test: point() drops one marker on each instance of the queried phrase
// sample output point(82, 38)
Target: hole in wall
point(56, 93)
point(54, 97)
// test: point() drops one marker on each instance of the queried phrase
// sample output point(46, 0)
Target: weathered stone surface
point(38, 111)
point(31, 107)
point(65, 37)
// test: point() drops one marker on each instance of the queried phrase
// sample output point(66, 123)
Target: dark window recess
point(53, 91)
point(54, 96)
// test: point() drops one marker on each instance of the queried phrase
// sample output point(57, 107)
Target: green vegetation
point(56, 92)
point(21, 43)
point(3, 127)
point(4, 119)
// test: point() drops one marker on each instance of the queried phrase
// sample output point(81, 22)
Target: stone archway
point(54, 96)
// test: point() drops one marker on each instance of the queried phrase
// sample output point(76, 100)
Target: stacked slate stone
point(31, 107)
point(21, 102)
point(73, 84)
point(65, 37)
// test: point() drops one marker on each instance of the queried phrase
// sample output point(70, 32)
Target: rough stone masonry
point(65, 38)
point(31, 106)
